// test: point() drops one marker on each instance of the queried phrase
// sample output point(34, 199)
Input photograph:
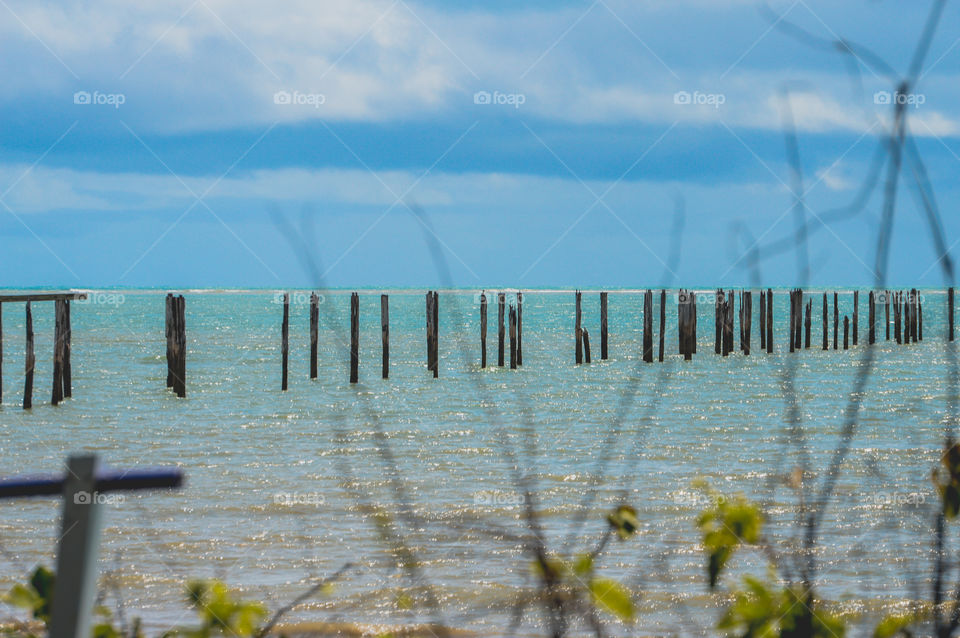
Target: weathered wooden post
point(513, 337)
point(169, 334)
point(284, 341)
point(29, 361)
point(180, 382)
point(519, 329)
point(950, 313)
point(747, 313)
point(718, 318)
point(896, 317)
point(385, 334)
point(436, 334)
point(872, 318)
point(769, 320)
point(915, 313)
point(846, 332)
point(67, 372)
point(728, 325)
point(663, 322)
point(826, 337)
point(793, 319)
point(648, 326)
point(693, 322)
point(578, 332)
point(314, 329)
point(501, 306)
point(59, 343)
point(886, 312)
point(603, 326)
point(856, 315)
point(586, 344)
point(907, 320)
point(354, 337)
point(483, 330)
point(763, 320)
point(798, 337)
point(807, 325)
point(836, 320)
point(919, 318)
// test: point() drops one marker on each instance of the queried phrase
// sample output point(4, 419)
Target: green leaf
point(624, 521)
point(893, 625)
point(613, 597)
point(583, 565)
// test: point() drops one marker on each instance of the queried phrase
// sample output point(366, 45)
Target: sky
point(214, 143)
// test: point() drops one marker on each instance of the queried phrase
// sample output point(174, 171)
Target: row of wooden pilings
point(907, 312)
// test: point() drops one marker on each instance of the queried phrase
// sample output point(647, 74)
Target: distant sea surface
point(277, 483)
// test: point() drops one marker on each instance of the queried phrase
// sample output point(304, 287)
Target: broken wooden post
point(483, 330)
point(663, 321)
point(648, 326)
point(826, 338)
point(730, 303)
point(354, 337)
point(763, 321)
point(501, 303)
point(513, 337)
point(769, 320)
point(385, 334)
point(578, 332)
point(950, 313)
point(603, 326)
point(284, 341)
point(846, 332)
point(586, 344)
point(519, 329)
point(29, 361)
point(314, 328)
point(871, 318)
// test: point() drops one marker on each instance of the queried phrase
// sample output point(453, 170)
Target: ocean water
point(279, 485)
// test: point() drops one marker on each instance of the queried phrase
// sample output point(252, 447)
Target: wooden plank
point(169, 333)
point(871, 318)
point(43, 296)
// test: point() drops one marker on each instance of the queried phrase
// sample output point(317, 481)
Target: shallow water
point(276, 481)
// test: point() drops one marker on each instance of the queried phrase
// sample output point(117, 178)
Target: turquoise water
point(276, 481)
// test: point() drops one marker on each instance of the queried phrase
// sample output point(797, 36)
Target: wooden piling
point(950, 313)
point(919, 318)
point(483, 330)
point(763, 321)
point(436, 334)
point(746, 319)
point(896, 317)
point(519, 329)
point(169, 334)
point(686, 301)
point(648, 326)
point(856, 315)
point(907, 329)
point(66, 372)
point(718, 322)
point(807, 325)
point(693, 328)
point(586, 344)
point(385, 335)
point(29, 361)
point(793, 320)
point(886, 312)
point(871, 318)
point(284, 341)
point(314, 329)
point(603, 326)
point(179, 354)
point(1, 353)
point(846, 332)
point(915, 313)
point(826, 337)
point(501, 305)
point(433, 350)
point(513, 337)
point(663, 320)
point(729, 309)
point(57, 393)
point(798, 332)
point(836, 319)
point(578, 332)
point(769, 320)
point(354, 338)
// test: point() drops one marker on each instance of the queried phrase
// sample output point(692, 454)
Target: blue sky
point(154, 145)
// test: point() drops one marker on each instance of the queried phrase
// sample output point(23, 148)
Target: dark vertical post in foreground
point(57, 394)
point(29, 361)
point(519, 329)
point(501, 302)
point(169, 333)
point(513, 337)
point(896, 317)
point(385, 334)
point(436, 334)
point(769, 320)
point(179, 349)
point(354, 338)
point(284, 341)
point(586, 344)
point(826, 336)
point(648, 327)
point(886, 312)
point(871, 318)
point(67, 371)
point(718, 314)
point(793, 319)
point(314, 328)
point(578, 332)
point(846, 332)
point(763, 321)
point(603, 326)
point(483, 330)
point(747, 314)
point(919, 318)
point(950, 313)
point(807, 324)
point(663, 322)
